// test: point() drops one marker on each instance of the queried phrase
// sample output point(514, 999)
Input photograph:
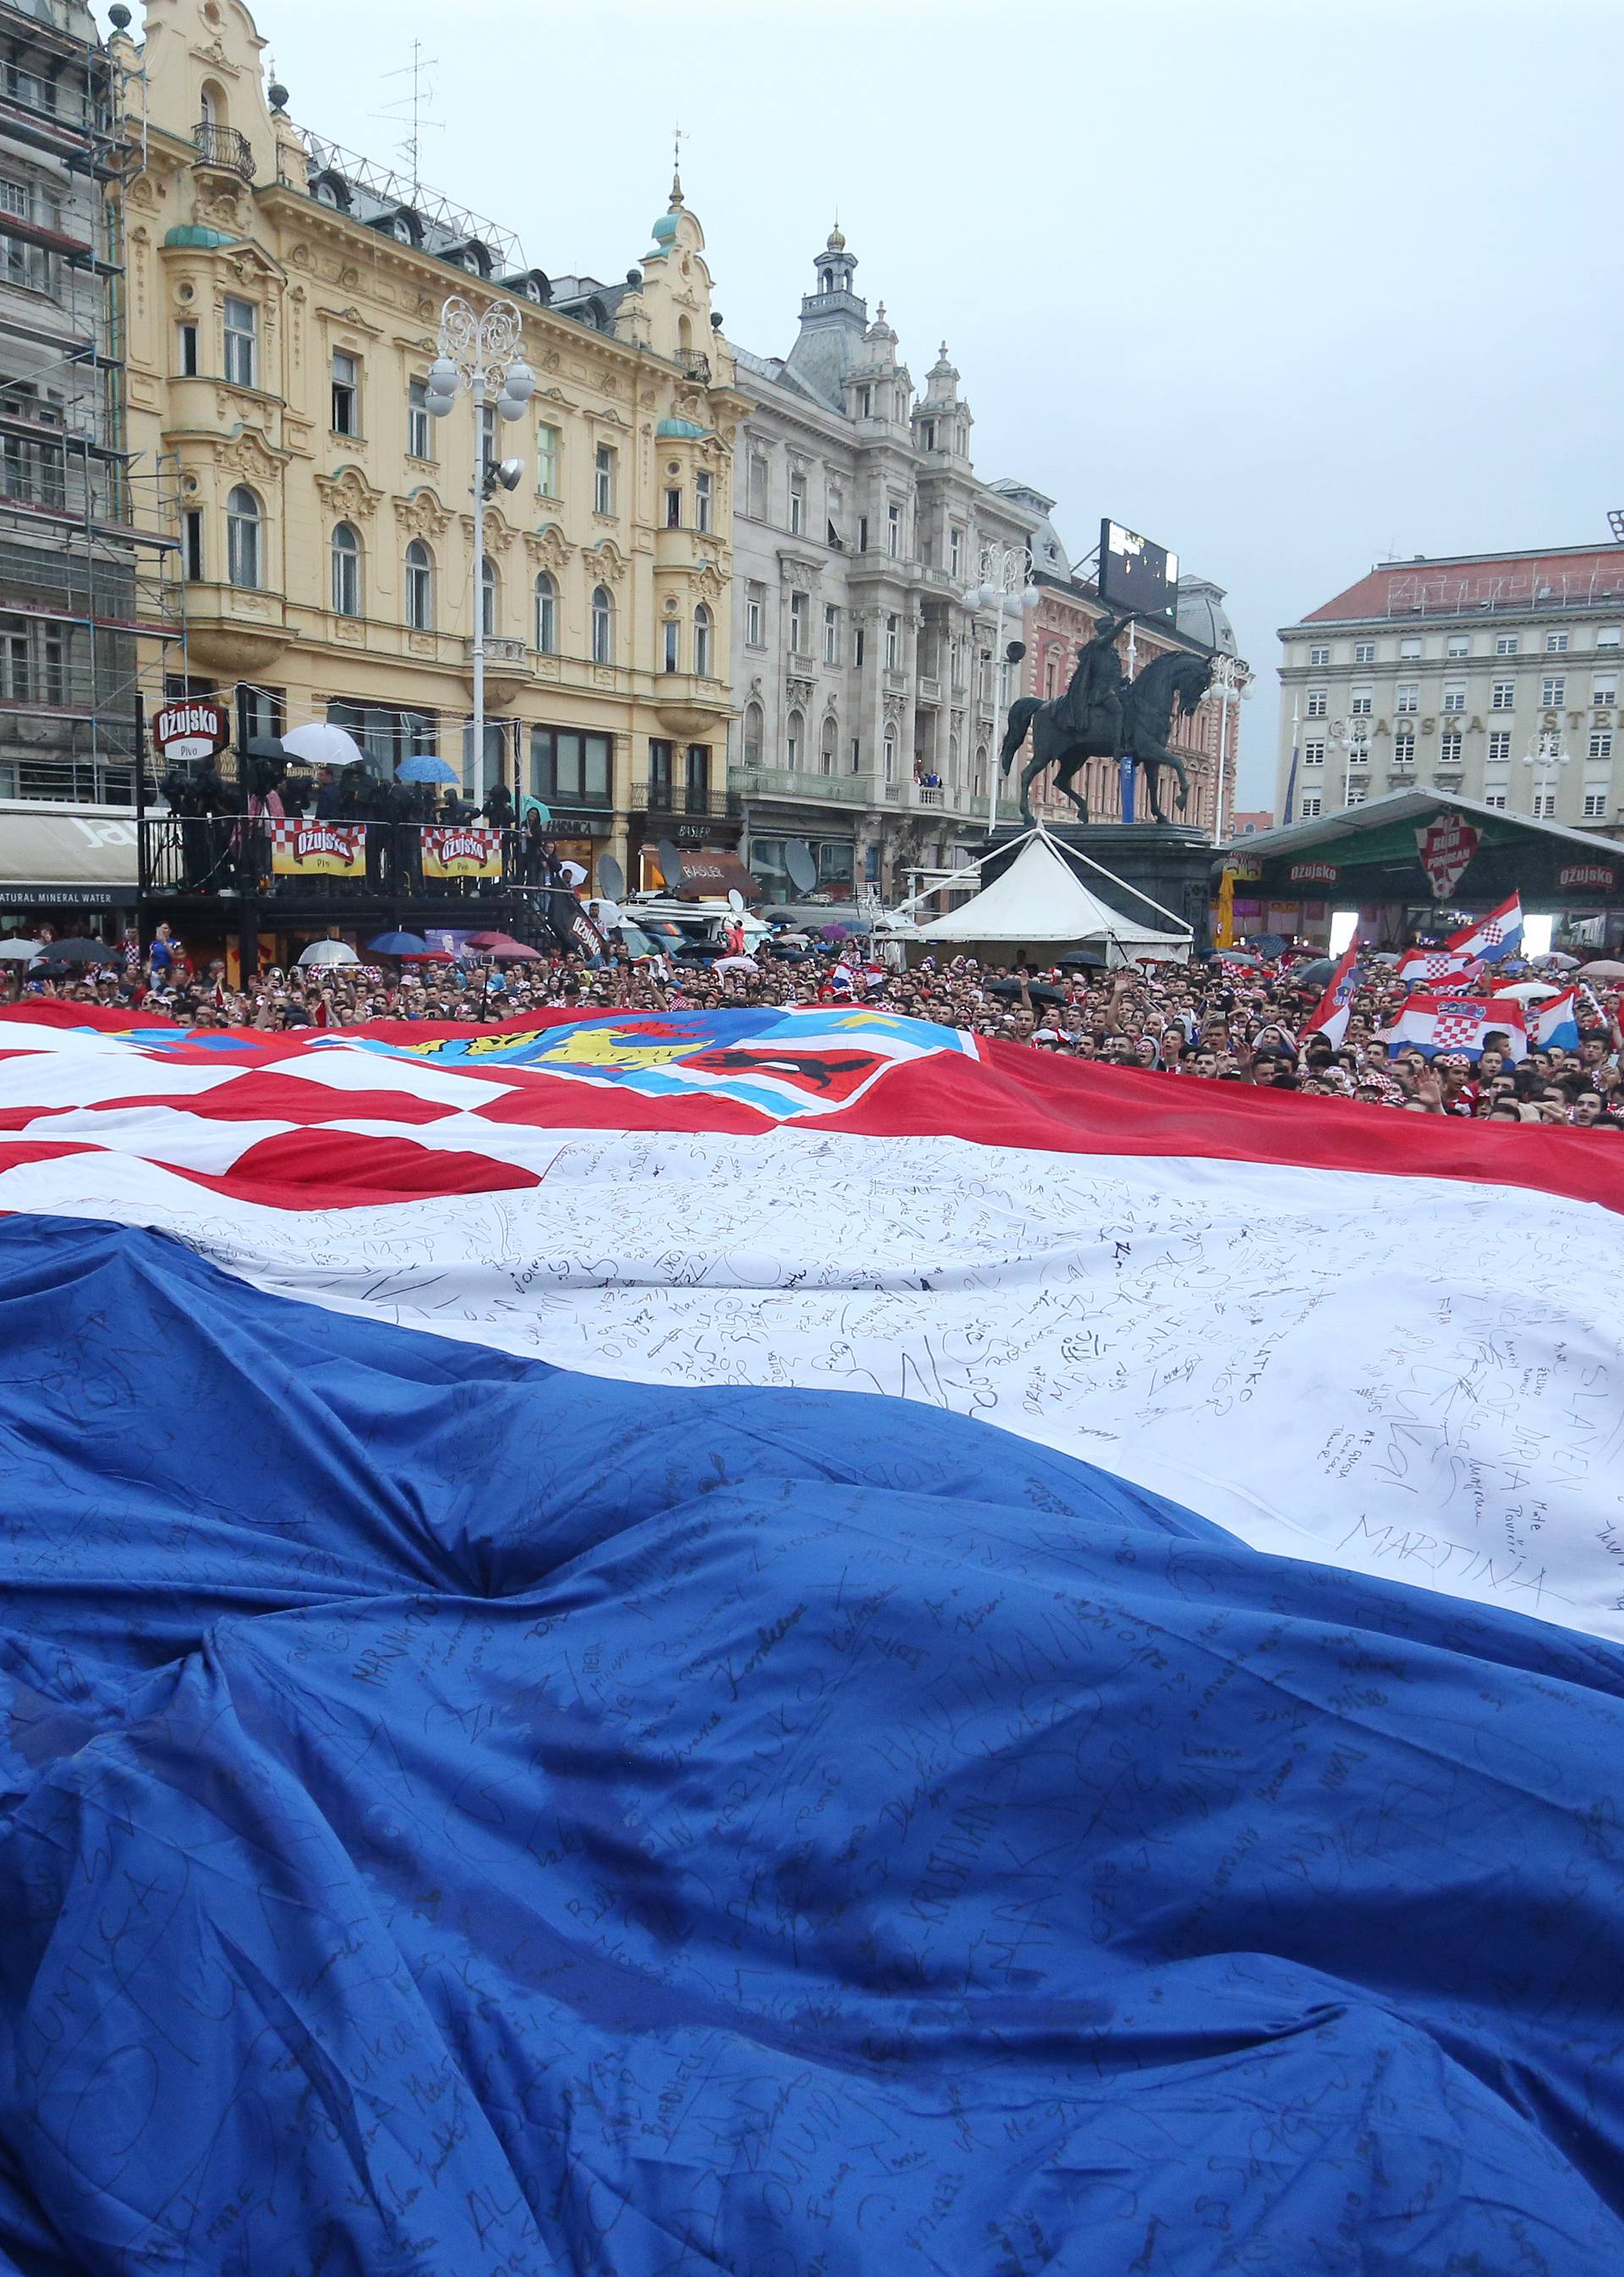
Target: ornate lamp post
point(479, 351)
point(1351, 739)
point(1547, 755)
point(1231, 678)
point(1006, 588)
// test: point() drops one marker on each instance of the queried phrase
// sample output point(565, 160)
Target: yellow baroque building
point(283, 302)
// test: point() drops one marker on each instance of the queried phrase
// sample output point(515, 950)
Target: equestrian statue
point(1105, 715)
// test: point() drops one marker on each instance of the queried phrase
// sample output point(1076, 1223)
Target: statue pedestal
point(1169, 861)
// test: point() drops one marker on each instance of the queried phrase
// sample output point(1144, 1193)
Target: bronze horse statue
point(1067, 730)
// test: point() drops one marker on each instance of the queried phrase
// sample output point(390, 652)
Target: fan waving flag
point(1331, 1016)
point(1458, 1024)
point(1425, 968)
point(652, 1645)
point(1556, 1021)
point(1493, 938)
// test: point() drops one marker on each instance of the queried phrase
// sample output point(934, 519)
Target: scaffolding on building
point(90, 590)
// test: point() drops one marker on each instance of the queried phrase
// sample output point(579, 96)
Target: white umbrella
point(574, 874)
point(1558, 961)
point(320, 744)
point(735, 964)
point(1529, 992)
point(21, 950)
point(327, 952)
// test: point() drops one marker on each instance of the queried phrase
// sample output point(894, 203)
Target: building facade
point(1495, 676)
point(865, 680)
point(75, 579)
point(284, 300)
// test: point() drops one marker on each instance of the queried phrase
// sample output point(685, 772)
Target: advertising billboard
point(1136, 575)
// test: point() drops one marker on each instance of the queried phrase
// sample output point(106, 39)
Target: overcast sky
point(1284, 286)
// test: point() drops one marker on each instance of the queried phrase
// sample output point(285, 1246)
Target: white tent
point(1041, 902)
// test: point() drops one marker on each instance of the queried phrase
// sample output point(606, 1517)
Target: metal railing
point(222, 146)
point(679, 798)
point(236, 856)
point(796, 782)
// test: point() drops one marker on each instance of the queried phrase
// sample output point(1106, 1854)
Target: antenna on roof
point(408, 110)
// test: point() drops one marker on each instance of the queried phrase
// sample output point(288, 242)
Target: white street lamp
point(1353, 742)
point(1231, 678)
point(1547, 755)
point(479, 351)
point(1006, 588)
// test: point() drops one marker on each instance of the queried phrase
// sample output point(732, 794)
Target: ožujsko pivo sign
point(451, 852)
point(324, 849)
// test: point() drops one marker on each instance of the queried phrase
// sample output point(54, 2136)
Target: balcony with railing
point(798, 784)
point(223, 147)
point(661, 796)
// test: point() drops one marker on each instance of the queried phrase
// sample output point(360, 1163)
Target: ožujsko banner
point(449, 851)
point(329, 849)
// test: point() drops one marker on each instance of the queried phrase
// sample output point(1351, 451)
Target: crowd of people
point(1213, 1020)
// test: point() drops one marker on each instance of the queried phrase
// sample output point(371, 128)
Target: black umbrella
point(1314, 974)
point(83, 951)
point(1041, 992)
point(1088, 960)
point(50, 968)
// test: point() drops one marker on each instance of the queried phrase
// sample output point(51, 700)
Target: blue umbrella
point(425, 766)
point(399, 944)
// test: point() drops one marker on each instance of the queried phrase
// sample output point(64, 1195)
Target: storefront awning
point(709, 871)
point(58, 856)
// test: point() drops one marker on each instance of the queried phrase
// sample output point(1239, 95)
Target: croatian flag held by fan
point(1457, 1024)
point(1425, 968)
point(1556, 1021)
point(726, 1644)
point(1331, 1016)
point(1493, 938)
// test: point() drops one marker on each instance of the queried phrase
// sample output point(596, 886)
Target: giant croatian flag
point(792, 1641)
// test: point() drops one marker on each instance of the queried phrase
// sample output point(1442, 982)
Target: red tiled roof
point(1566, 577)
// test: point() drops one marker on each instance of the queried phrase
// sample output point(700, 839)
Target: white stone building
point(1495, 675)
point(863, 682)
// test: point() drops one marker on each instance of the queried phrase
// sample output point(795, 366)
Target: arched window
point(419, 587)
point(488, 595)
point(702, 641)
point(603, 626)
point(243, 537)
point(685, 336)
point(546, 614)
point(980, 771)
point(890, 756)
point(213, 108)
point(346, 571)
point(794, 739)
point(825, 747)
point(828, 280)
point(754, 724)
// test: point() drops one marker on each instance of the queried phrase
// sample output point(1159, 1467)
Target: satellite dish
point(798, 862)
point(670, 864)
point(610, 877)
point(736, 901)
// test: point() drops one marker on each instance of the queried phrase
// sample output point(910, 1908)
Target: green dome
point(194, 234)
point(665, 230)
point(683, 430)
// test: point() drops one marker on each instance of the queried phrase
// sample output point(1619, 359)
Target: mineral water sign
point(195, 728)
